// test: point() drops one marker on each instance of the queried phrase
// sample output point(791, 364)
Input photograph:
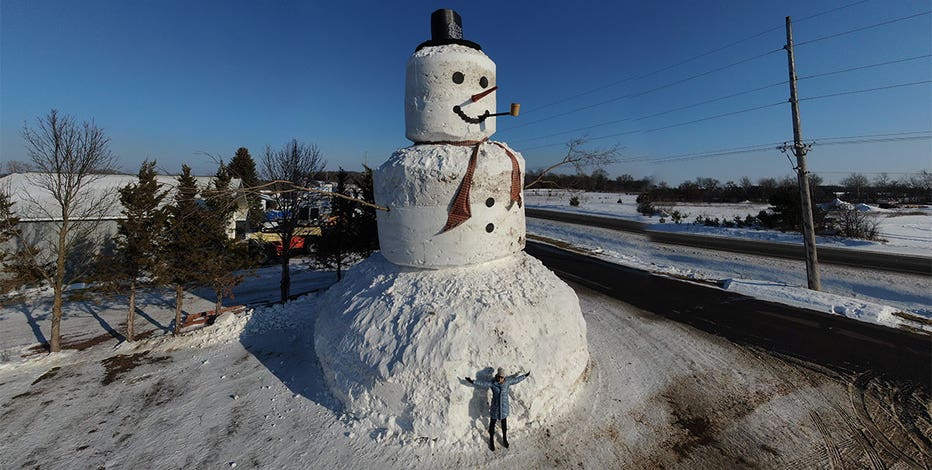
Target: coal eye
point(458, 77)
point(483, 82)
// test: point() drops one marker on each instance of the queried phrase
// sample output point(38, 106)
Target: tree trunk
point(58, 287)
point(55, 338)
point(131, 315)
point(286, 275)
point(219, 305)
point(179, 300)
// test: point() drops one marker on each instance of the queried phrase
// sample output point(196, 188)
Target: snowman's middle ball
point(440, 78)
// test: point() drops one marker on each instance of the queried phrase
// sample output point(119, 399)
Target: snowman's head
point(449, 87)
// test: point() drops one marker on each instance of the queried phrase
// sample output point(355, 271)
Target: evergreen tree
point(785, 211)
point(242, 166)
point(335, 239)
point(8, 223)
point(224, 256)
point(9, 231)
point(366, 233)
point(139, 237)
point(181, 256)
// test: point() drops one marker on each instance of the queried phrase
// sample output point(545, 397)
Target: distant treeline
point(916, 188)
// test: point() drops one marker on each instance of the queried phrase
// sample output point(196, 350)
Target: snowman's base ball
point(395, 344)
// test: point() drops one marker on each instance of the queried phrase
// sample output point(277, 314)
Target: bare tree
point(580, 158)
point(67, 158)
point(854, 184)
point(290, 170)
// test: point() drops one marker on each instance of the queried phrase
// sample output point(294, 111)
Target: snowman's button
point(489, 202)
point(489, 228)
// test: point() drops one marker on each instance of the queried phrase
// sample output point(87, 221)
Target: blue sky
point(173, 80)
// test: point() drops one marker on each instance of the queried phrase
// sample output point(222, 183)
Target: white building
point(39, 212)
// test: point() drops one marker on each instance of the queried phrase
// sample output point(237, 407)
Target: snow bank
point(828, 303)
point(395, 343)
point(243, 327)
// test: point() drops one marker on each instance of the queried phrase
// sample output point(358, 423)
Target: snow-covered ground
point(248, 392)
point(24, 325)
point(889, 299)
point(906, 231)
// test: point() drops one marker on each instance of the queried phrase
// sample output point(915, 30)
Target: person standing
point(499, 408)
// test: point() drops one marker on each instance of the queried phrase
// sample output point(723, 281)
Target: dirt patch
point(24, 395)
point(160, 393)
point(47, 375)
point(698, 427)
point(895, 419)
point(82, 344)
point(702, 409)
point(117, 366)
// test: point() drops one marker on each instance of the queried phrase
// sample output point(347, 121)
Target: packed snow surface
point(248, 392)
point(395, 343)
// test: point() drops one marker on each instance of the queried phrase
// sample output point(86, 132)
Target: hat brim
point(444, 42)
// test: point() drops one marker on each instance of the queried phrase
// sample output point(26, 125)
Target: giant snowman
point(451, 294)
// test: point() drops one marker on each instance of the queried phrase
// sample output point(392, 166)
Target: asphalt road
point(836, 342)
point(842, 256)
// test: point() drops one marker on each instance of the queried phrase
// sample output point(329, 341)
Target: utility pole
point(802, 176)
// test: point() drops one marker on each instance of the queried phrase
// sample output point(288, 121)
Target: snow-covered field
point(248, 392)
point(906, 231)
point(889, 299)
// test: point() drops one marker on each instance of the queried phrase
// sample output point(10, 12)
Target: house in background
point(40, 215)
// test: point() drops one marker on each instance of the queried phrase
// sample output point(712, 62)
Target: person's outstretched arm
point(517, 378)
point(479, 383)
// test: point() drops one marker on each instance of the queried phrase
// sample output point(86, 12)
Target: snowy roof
point(32, 203)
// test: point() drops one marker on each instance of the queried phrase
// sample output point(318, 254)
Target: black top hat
point(446, 27)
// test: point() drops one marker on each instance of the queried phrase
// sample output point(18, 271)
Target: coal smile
point(476, 120)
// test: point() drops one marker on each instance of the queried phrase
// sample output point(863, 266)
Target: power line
point(718, 69)
point(632, 95)
point(642, 76)
point(741, 111)
point(759, 148)
point(851, 31)
point(705, 154)
point(870, 172)
point(661, 113)
point(720, 98)
point(708, 118)
point(842, 140)
point(833, 10)
point(872, 141)
point(644, 131)
point(836, 72)
point(863, 136)
point(865, 90)
point(691, 59)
